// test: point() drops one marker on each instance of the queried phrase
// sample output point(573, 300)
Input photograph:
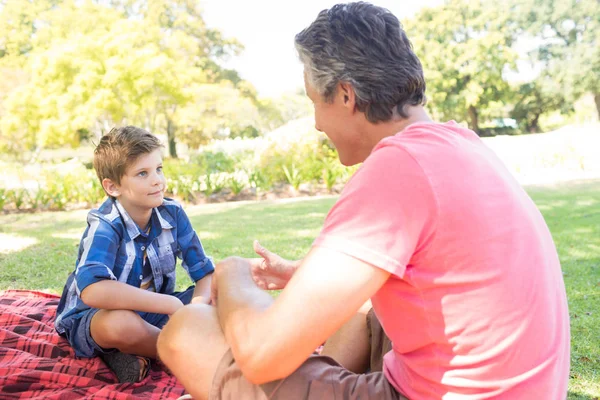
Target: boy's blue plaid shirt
point(112, 247)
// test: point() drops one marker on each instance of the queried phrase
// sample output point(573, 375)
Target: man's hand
point(271, 272)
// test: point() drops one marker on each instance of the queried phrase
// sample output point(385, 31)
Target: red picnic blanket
point(37, 363)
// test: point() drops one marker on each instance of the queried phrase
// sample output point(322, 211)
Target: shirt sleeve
point(98, 252)
point(385, 213)
point(190, 250)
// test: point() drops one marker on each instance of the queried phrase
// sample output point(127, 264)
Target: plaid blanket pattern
point(37, 363)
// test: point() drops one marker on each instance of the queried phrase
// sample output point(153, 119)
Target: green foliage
point(237, 182)
point(464, 49)
point(333, 171)
point(259, 180)
point(293, 176)
point(183, 186)
point(536, 98)
point(212, 183)
point(155, 64)
point(567, 33)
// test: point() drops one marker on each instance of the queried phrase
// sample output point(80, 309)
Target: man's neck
point(382, 130)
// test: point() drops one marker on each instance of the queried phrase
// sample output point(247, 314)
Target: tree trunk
point(534, 127)
point(473, 119)
point(171, 138)
point(597, 100)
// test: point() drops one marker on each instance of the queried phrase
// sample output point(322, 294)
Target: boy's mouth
point(159, 192)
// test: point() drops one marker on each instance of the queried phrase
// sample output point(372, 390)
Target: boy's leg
point(124, 330)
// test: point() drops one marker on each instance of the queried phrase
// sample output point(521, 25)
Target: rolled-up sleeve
point(98, 253)
point(190, 249)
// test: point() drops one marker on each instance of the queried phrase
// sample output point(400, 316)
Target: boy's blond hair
point(120, 148)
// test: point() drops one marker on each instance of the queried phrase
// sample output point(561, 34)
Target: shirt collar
point(132, 229)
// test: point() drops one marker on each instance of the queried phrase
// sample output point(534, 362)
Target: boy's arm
point(113, 295)
point(191, 252)
point(96, 283)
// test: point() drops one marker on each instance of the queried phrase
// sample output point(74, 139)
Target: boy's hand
point(213, 288)
point(201, 300)
point(202, 290)
point(173, 305)
point(271, 271)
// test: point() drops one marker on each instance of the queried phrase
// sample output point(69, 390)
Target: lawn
point(37, 251)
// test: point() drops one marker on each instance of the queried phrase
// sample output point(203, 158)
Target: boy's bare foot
point(127, 367)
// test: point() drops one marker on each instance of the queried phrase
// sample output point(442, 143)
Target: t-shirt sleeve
point(98, 250)
point(385, 213)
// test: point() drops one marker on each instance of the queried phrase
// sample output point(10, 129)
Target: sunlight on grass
point(307, 233)
point(586, 202)
point(12, 243)
point(207, 235)
point(68, 235)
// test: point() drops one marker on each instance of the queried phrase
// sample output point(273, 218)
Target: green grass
point(572, 211)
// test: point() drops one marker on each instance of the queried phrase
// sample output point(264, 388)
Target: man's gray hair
point(365, 46)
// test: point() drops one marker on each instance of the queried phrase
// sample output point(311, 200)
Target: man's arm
point(113, 295)
point(272, 338)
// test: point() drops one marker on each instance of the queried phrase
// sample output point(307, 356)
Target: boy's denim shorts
point(80, 336)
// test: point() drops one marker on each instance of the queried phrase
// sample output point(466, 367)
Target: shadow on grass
point(580, 396)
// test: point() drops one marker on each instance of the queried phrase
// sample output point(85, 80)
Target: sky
point(267, 28)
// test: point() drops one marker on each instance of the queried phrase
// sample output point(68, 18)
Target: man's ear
point(348, 97)
point(111, 188)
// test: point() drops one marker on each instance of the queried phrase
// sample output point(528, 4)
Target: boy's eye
point(159, 169)
point(143, 173)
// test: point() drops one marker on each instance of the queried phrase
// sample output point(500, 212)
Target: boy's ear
point(111, 188)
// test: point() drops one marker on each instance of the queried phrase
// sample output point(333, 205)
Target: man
point(458, 262)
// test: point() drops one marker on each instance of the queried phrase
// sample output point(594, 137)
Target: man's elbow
point(259, 370)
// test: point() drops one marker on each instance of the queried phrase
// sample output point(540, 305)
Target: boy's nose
point(156, 179)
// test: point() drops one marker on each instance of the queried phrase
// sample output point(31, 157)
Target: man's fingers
point(258, 249)
point(261, 251)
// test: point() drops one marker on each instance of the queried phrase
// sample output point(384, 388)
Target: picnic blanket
point(37, 363)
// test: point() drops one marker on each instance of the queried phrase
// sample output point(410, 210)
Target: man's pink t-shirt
point(475, 304)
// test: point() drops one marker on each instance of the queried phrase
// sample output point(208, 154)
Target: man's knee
point(187, 329)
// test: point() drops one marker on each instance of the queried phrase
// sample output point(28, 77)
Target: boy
point(122, 290)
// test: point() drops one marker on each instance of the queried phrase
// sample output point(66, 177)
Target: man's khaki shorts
point(319, 377)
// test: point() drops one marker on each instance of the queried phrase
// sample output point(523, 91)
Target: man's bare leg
point(350, 345)
point(192, 345)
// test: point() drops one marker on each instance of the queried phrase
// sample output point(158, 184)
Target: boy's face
point(143, 184)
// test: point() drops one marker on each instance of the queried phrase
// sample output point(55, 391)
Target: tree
point(465, 50)
point(535, 99)
point(138, 62)
point(568, 37)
